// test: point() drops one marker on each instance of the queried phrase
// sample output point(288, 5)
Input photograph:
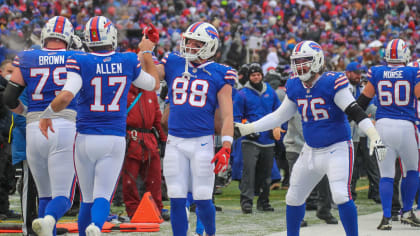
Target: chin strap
point(186, 75)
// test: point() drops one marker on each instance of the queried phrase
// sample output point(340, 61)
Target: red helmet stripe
point(59, 24)
point(394, 49)
point(94, 33)
point(195, 26)
point(298, 47)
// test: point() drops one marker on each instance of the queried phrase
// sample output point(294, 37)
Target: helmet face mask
point(58, 27)
point(99, 32)
point(303, 67)
point(204, 33)
point(397, 52)
point(307, 59)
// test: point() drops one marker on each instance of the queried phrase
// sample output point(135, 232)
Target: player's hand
point(76, 42)
point(146, 45)
point(378, 147)
point(44, 125)
point(277, 133)
point(243, 129)
point(151, 33)
point(222, 158)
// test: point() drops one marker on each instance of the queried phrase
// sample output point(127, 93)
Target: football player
point(397, 88)
point(196, 86)
point(323, 100)
point(416, 64)
point(101, 79)
point(43, 72)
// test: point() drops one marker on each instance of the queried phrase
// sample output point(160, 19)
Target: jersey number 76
point(317, 113)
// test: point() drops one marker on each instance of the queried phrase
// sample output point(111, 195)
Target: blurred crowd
point(250, 30)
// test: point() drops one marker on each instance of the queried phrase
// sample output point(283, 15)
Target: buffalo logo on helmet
point(212, 33)
point(315, 46)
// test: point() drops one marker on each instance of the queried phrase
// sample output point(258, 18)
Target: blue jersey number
point(112, 81)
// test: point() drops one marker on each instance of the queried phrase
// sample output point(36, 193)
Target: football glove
point(76, 42)
point(379, 148)
point(151, 33)
point(222, 158)
point(243, 129)
point(376, 144)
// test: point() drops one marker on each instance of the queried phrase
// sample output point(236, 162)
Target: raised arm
point(148, 78)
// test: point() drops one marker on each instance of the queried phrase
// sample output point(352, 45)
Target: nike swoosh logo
point(204, 144)
point(332, 152)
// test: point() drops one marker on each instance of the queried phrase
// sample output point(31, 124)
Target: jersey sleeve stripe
point(232, 73)
point(230, 77)
point(71, 61)
point(340, 79)
point(16, 61)
point(72, 67)
point(341, 84)
point(163, 60)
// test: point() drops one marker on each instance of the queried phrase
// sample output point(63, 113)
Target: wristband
point(227, 139)
point(372, 134)
point(25, 110)
point(146, 52)
point(47, 113)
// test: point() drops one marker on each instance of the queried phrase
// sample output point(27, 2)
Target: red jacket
point(145, 114)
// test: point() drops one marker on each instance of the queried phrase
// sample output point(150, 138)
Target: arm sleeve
point(145, 81)
point(276, 118)
point(73, 83)
point(363, 101)
point(11, 94)
point(343, 98)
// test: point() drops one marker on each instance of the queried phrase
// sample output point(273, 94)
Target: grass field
point(231, 221)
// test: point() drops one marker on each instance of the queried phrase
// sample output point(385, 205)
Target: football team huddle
point(77, 109)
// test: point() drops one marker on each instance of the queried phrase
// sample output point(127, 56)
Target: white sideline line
point(367, 227)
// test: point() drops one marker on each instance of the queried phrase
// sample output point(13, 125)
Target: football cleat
point(44, 226)
point(93, 230)
point(386, 224)
point(409, 217)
